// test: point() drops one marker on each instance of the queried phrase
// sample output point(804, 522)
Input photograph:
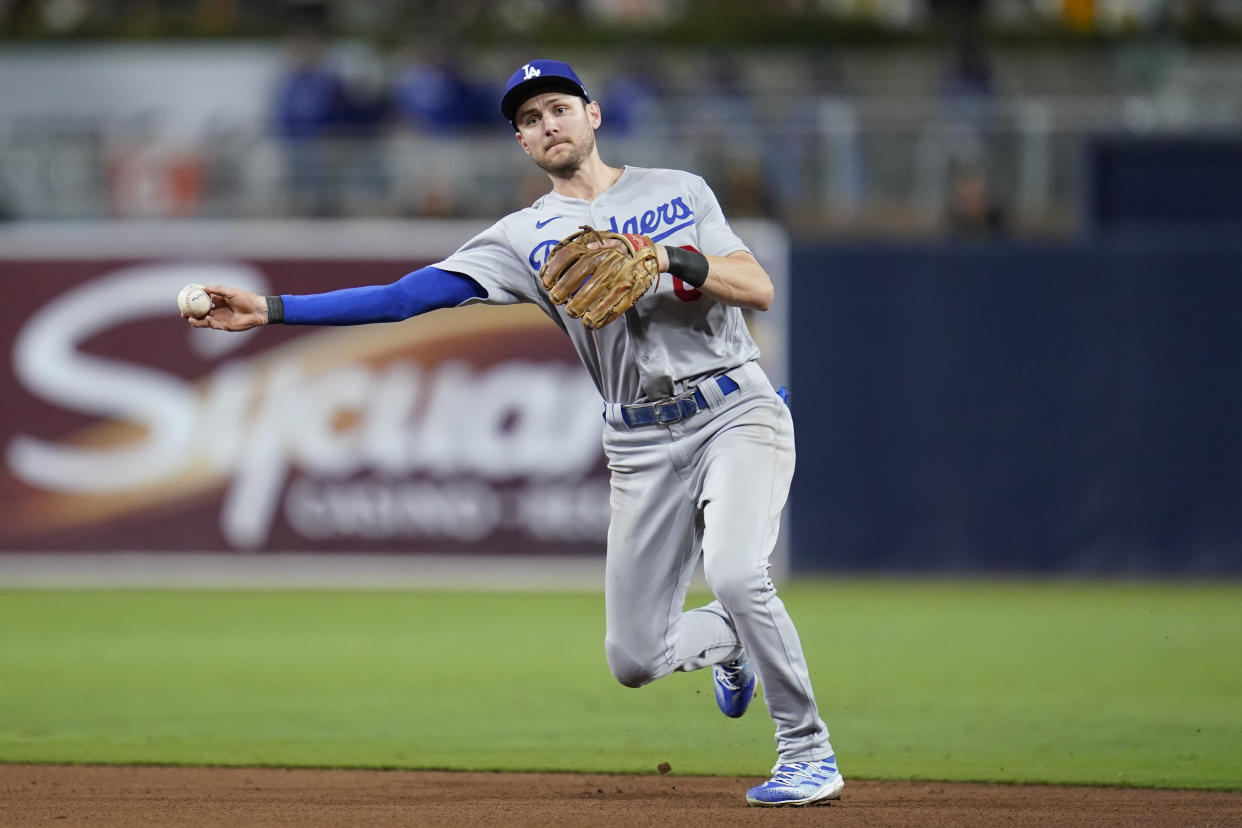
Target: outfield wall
point(1019, 407)
point(1005, 407)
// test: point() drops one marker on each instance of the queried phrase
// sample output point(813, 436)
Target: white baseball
point(194, 301)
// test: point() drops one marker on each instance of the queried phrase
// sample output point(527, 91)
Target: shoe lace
point(727, 674)
point(794, 775)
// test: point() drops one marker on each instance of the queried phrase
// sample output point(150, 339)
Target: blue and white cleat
point(735, 686)
point(799, 783)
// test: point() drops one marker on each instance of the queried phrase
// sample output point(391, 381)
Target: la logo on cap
point(529, 72)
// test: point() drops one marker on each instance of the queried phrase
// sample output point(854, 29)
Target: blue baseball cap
point(537, 77)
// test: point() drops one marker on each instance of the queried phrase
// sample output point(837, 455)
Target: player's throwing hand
point(232, 309)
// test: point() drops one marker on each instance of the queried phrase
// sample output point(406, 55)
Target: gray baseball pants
point(714, 484)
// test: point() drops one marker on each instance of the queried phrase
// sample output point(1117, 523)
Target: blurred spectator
point(632, 96)
point(821, 156)
point(1078, 15)
point(962, 143)
point(433, 94)
point(968, 83)
point(745, 193)
point(973, 210)
point(723, 102)
point(720, 118)
point(365, 106)
point(968, 96)
point(310, 96)
point(152, 179)
point(364, 102)
point(310, 108)
point(970, 78)
point(435, 98)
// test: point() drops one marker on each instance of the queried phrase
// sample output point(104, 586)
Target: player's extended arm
point(414, 293)
point(737, 279)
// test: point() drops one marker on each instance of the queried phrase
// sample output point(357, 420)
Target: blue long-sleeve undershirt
point(414, 293)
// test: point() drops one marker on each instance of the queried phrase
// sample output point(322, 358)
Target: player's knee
point(628, 670)
point(738, 590)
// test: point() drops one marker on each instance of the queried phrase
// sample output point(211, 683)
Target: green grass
point(1121, 684)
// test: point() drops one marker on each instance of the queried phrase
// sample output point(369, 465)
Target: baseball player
point(699, 445)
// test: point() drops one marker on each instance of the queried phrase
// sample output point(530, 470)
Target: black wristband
point(688, 265)
point(275, 310)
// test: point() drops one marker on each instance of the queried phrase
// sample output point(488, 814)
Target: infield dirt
point(32, 795)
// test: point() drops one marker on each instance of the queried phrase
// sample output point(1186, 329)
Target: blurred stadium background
point(1008, 233)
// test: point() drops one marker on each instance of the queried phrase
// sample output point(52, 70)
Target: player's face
point(557, 131)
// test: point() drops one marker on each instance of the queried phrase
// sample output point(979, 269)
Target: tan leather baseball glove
point(599, 284)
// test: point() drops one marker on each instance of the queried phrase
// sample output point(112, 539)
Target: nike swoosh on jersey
point(539, 225)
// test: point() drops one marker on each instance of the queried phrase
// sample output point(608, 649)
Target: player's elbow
point(744, 282)
point(764, 296)
point(759, 288)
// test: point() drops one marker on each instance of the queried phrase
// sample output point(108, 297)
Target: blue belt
point(673, 409)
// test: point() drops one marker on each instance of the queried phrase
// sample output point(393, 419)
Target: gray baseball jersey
point(675, 335)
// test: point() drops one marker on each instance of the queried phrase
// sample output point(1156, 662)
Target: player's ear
point(522, 142)
point(594, 116)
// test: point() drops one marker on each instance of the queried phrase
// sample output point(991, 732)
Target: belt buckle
point(663, 405)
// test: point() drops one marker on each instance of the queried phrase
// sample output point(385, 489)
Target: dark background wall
point(1069, 407)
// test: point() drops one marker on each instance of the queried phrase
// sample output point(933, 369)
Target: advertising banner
point(471, 430)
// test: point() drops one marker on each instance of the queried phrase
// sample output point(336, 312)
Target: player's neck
point(588, 181)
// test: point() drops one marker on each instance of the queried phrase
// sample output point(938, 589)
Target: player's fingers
point(223, 295)
point(235, 299)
